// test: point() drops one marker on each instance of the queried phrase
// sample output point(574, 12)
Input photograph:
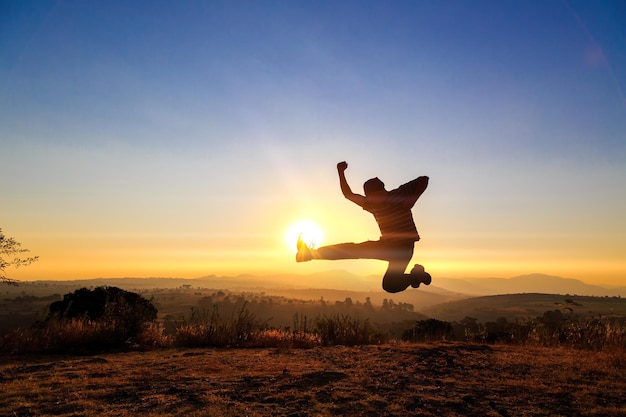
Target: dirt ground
point(388, 380)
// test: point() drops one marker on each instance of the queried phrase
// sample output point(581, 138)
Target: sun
point(310, 232)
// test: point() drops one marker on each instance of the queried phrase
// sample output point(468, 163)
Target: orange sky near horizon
point(264, 251)
point(80, 258)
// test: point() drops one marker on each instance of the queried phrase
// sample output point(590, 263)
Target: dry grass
point(375, 380)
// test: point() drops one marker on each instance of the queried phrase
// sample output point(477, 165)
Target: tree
point(126, 311)
point(9, 247)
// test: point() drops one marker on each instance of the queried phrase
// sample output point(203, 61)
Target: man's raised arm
point(414, 189)
point(345, 188)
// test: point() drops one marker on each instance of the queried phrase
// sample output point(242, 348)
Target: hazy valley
point(446, 299)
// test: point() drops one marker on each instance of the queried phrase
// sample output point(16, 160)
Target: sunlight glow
point(311, 234)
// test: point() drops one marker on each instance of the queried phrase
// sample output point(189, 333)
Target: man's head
point(373, 186)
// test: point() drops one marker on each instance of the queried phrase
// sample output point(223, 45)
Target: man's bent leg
point(395, 280)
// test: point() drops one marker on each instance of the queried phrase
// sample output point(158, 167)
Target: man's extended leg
point(398, 255)
point(364, 250)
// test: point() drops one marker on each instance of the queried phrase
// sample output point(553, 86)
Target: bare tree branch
point(10, 247)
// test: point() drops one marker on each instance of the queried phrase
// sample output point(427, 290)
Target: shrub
point(63, 336)
point(345, 330)
point(285, 339)
point(428, 331)
point(125, 311)
point(151, 337)
point(208, 329)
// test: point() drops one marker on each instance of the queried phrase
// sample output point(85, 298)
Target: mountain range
point(533, 283)
point(343, 282)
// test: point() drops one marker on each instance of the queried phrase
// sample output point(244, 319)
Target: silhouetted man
point(398, 234)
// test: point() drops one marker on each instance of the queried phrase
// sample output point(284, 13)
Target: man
point(392, 211)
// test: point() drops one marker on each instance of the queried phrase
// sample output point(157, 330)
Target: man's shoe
point(417, 269)
point(421, 276)
point(304, 253)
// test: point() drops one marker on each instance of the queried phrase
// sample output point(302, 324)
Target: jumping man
point(398, 234)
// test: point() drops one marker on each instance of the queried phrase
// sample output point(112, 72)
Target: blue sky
point(188, 135)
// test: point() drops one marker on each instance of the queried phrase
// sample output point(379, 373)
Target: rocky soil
point(385, 380)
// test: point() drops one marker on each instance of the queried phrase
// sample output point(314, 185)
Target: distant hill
point(337, 285)
point(533, 283)
point(514, 306)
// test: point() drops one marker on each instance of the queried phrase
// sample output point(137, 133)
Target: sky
point(183, 139)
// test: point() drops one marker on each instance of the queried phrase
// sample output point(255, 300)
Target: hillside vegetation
point(521, 306)
point(201, 318)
